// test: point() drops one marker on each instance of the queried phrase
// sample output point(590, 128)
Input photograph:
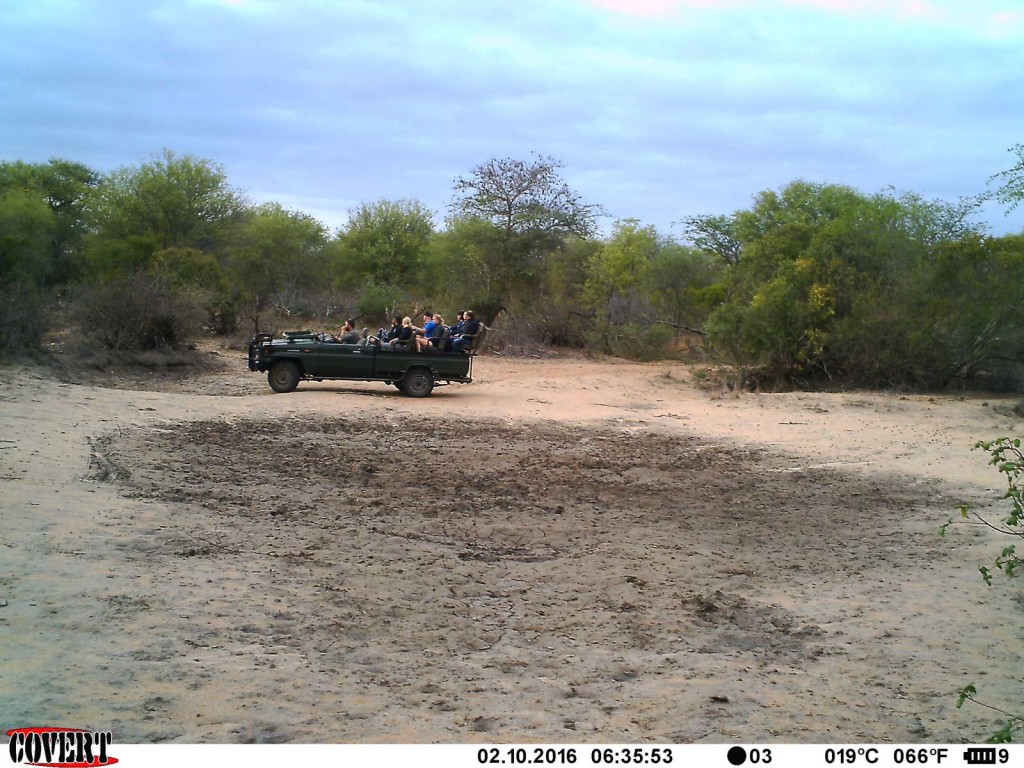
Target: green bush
point(22, 318)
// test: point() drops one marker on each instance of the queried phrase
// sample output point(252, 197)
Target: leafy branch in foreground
point(1013, 722)
point(1006, 455)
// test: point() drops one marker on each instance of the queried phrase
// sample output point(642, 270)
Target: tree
point(977, 309)
point(169, 202)
point(1011, 188)
point(522, 197)
point(684, 286)
point(641, 287)
point(279, 259)
point(26, 230)
point(386, 240)
point(715, 235)
point(618, 271)
point(64, 187)
point(561, 316)
point(464, 267)
point(198, 279)
point(534, 212)
point(930, 222)
point(883, 289)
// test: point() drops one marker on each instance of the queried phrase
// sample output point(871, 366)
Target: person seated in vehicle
point(349, 334)
point(396, 327)
point(385, 337)
point(429, 323)
point(433, 325)
point(460, 323)
point(437, 338)
point(405, 336)
point(465, 340)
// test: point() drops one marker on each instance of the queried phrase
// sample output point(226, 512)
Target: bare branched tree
point(522, 197)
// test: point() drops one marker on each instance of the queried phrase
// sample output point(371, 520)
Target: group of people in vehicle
point(432, 336)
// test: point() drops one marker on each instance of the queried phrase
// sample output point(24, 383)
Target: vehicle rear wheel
point(417, 382)
point(283, 377)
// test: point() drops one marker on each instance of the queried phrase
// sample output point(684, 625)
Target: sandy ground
point(563, 551)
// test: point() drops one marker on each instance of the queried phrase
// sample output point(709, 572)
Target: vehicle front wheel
point(283, 377)
point(418, 382)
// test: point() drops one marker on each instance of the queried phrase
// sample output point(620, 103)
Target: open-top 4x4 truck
point(304, 355)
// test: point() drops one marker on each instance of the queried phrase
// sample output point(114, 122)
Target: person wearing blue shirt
point(424, 334)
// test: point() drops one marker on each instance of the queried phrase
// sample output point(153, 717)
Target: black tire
point(418, 382)
point(283, 377)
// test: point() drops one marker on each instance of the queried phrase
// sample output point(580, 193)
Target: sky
point(658, 109)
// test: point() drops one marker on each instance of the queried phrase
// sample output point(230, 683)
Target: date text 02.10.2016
point(570, 755)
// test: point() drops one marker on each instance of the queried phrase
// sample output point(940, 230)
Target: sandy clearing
point(636, 560)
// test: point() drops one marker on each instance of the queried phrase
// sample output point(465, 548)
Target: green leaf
point(985, 574)
point(965, 693)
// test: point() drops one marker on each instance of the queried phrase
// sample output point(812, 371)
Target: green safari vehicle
point(307, 356)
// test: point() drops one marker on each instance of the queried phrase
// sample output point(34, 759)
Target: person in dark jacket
point(460, 323)
point(470, 329)
point(395, 330)
point(383, 336)
point(405, 337)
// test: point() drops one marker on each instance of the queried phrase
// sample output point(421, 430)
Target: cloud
point(666, 8)
point(654, 116)
point(1006, 25)
point(996, 19)
point(661, 8)
point(909, 9)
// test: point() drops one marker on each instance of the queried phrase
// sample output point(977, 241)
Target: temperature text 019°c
point(850, 755)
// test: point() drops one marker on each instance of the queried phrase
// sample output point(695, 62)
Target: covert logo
point(59, 747)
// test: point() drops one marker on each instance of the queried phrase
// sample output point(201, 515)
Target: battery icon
point(980, 756)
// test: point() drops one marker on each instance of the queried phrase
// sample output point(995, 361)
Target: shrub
point(640, 342)
point(22, 318)
point(141, 311)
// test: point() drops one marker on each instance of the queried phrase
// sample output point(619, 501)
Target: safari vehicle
point(304, 355)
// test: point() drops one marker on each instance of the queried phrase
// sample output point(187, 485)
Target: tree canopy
point(168, 202)
point(832, 284)
point(524, 197)
point(533, 212)
point(811, 284)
